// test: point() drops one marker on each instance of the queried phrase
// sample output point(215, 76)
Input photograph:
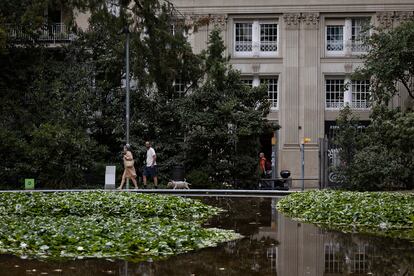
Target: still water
point(273, 245)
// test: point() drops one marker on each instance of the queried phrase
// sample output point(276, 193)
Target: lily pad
point(105, 225)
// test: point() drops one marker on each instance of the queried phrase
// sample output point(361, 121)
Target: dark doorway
point(54, 15)
point(266, 145)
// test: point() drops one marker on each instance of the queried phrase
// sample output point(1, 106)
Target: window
point(333, 260)
point(334, 89)
point(243, 37)
point(113, 7)
point(172, 29)
point(359, 33)
point(360, 94)
point(177, 27)
point(271, 90)
point(335, 38)
point(346, 36)
point(359, 262)
point(268, 37)
point(340, 92)
point(180, 88)
point(256, 38)
point(247, 82)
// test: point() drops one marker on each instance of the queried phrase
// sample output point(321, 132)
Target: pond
point(272, 245)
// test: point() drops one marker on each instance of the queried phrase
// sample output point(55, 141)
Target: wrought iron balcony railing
point(52, 33)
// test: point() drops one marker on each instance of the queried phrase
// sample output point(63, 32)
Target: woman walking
point(129, 169)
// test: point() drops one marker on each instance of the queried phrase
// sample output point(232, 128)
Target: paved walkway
point(191, 192)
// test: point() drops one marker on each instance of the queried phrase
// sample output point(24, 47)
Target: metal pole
point(302, 151)
point(127, 89)
point(274, 157)
point(127, 85)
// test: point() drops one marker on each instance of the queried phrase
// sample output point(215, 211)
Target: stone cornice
point(401, 16)
point(385, 19)
point(292, 20)
point(219, 20)
point(310, 20)
point(280, 9)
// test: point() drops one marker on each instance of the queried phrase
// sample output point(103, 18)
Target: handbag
point(129, 163)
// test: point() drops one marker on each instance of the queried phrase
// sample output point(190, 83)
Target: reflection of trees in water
point(242, 214)
point(352, 254)
point(258, 253)
point(244, 257)
point(12, 265)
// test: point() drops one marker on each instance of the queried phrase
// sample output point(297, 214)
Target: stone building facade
point(305, 51)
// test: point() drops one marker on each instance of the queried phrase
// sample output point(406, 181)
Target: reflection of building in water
point(270, 232)
point(339, 259)
point(308, 250)
point(333, 262)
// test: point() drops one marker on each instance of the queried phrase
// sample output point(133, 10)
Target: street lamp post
point(302, 150)
point(126, 31)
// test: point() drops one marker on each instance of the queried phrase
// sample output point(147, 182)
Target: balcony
point(334, 104)
point(349, 47)
point(360, 104)
point(243, 46)
point(335, 45)
point(358, 46)
point(52, 33)
point(268, 46)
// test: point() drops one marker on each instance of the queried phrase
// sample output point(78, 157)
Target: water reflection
point(273, 245)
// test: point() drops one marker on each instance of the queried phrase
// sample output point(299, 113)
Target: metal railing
point(359, 46)
point(52, 33)
point(243, 46)
point(268, 46)
point(364, 104)
point(334, 45)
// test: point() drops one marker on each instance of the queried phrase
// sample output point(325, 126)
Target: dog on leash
point(178, 184)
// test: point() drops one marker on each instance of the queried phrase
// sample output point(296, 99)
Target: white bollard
point(110, 177)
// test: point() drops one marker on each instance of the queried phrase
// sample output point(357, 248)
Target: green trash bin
point(29, 184)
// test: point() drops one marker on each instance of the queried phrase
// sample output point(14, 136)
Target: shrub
point(376, 168)
point(371, 212)
point(198, 179)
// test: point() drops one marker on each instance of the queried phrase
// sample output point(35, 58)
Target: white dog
point(178, 184)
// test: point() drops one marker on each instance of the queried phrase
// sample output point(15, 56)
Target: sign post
point(29, 184)
point(274, 148)
point(302, 151)
point(110, 177)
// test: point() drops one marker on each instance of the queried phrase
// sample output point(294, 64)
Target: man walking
point(150, 169)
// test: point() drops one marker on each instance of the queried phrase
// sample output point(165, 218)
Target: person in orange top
point(262, 165)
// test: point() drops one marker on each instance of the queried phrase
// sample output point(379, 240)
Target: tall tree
point(223, 119)
point(382, 156)
point(390, 61)
point(162, 58)
point(78, 88)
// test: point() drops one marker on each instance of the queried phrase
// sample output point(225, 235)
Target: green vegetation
point(382, 156)
point(63, 108)
point(390, 62)
point(104, 225)
point(389, 214)
point(223, 119)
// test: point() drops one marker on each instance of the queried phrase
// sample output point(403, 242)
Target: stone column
point(311, 96)
point(289, 97)
point(348, 67)
point(348, 37)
